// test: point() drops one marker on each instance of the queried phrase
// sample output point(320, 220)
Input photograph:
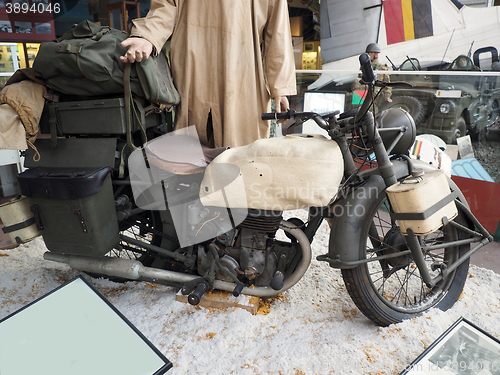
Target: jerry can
point(421, 201)
point(18, 220)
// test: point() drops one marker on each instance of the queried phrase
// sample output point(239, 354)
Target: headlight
point(445, 108)
point(398, 119)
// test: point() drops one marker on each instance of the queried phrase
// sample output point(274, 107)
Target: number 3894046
point(33, 8)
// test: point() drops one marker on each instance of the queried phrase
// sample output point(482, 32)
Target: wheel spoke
point(397, 279)
point(142, 228)
point(391, 289)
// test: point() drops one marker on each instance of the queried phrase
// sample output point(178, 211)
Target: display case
point(9, 61)
point(31, 50)
point(28, 20)
point(120, 14)
point(15, 56)
point(311, 56)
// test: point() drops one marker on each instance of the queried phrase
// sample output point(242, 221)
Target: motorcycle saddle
point(180, 154)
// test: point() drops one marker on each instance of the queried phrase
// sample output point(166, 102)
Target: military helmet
point(372, 47)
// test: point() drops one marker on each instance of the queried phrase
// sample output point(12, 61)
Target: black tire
point(459, 130)
point(408, 103)
point(390, 291)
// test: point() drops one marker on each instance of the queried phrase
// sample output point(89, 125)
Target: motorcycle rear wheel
point(144, 227)
point(390, 291)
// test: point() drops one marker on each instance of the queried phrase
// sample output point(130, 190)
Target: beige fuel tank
point(283, 173)
point(416, 194)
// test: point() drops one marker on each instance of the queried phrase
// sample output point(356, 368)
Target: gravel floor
point(488, 154)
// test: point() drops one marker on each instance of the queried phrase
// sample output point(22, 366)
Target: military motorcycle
point(174, 212)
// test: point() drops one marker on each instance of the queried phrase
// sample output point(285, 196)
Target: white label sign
point(448, 93)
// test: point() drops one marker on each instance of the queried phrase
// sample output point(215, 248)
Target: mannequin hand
point(139, 49)
point(282, 104)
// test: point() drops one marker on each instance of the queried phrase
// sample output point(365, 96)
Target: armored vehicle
point(449, 105)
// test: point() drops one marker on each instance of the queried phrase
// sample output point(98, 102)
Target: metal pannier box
point(95, 116)
point(73, 207)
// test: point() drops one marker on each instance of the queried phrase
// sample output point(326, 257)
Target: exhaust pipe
point(117, 267)
point(135, 270)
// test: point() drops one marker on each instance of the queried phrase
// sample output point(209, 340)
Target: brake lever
point(290, 124)
point(329, 115)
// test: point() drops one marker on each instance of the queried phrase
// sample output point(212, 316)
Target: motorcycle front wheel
point(392, 290)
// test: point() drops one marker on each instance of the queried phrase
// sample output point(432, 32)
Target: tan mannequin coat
point(229, 58)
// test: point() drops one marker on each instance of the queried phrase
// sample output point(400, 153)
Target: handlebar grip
point(275, 116)
point(366, 68)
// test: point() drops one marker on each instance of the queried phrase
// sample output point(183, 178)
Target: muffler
point(135, 270)
point(117, 267)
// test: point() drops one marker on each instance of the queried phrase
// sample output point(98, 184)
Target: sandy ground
point(314, 328)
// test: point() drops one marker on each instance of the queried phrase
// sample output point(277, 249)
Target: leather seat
point(180, 154)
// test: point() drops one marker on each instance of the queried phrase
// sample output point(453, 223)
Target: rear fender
point(356, 207)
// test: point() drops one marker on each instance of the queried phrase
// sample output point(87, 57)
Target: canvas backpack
point(86, 61)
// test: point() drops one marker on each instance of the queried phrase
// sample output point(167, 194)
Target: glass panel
point(21, 57)
point(116, 18)
point(43, 28)
point(32, 50)
point(447, 105)
point(37, 334)
point(445, 99)
point(410, 64)
point(23, 27)
point(5, 26)
point(9, 58)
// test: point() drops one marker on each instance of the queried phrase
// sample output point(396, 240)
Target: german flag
point(407, 20)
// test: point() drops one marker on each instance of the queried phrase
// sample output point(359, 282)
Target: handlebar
point(279, 116)
point(300, 117)
point(347, 119)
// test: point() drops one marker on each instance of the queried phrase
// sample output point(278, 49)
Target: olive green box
point(73, 207)
point(95, 116)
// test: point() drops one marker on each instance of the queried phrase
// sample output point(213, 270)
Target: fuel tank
point(283, 173)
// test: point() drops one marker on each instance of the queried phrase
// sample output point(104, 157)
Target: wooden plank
point(222, 300)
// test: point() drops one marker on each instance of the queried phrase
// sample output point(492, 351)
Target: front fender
point(356, 207)
point(347, 225)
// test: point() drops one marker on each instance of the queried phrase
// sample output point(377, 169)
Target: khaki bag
point(86, 61)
